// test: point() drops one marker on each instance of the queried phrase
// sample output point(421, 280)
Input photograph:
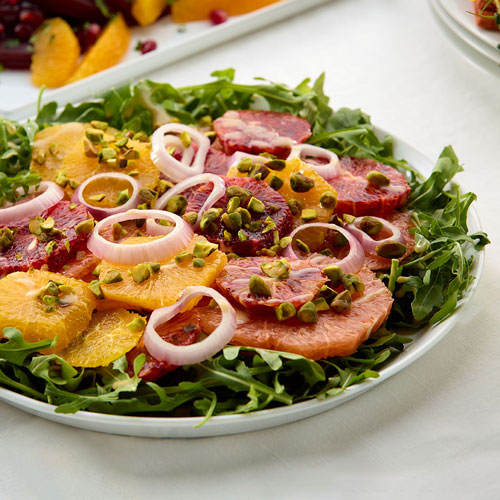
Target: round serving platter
point(174, 427)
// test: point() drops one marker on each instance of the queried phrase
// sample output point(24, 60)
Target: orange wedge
point(106, 339)
point(184, 11)
point(21, 308)
point(107, 51)
point(147, 11)
point(55, 53)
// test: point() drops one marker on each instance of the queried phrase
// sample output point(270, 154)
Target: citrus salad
point(216, 249)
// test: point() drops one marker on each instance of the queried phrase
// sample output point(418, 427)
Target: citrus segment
point(55, 53)
point(106, 339)
point(309, 199)
point(21, 307)
point(147, 11)
point(106, 52)
point(51, 146)
point(165, 287)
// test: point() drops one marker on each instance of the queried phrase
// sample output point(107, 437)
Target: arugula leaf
point(16, 349)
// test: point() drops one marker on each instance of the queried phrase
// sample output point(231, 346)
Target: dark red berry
point(88, 35)
point(23, 31)
point(218, 16)
point(2, 32)
point(148, 46)
point(32, 17)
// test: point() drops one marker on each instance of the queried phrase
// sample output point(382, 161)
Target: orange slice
point(147, 11)
point(106, 52)
point(55, 53)
point(163, 288)
point(51, 146)
point(310, 199)
point(105, 340)
point(184, 11)
point(21, 308)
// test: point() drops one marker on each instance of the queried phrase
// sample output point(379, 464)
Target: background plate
point(232, 424)
point(18, 96)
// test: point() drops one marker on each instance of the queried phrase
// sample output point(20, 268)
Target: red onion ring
point(171, 167)
point(101, 213)
point(152, 251)
point(218, 191)
point(351, 263)
point(194, 353)
point(328, 171)
point(367, 242)
point(50, 194)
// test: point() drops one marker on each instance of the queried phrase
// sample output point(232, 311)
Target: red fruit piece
point(275, 207)
point(23, 31)
point(27, 251)
point(218, 16)
point(147, 46)
point(217, 162)
point(32, 17)
point(260, 132)
point(301, 285)
point(88, 35)
point(357, 197)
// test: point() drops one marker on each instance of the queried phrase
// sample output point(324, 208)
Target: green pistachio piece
point(348, 219)
point(285, 241)
point(339, 240)
point(112, 276)
point(276, 249)
point(163, 186)
point(300, 183)
point(94, 136)
point(72, 206)
point(85, 227)
point(327, 293)
point(276, 164)
point(131, 154)
point(60, 179)
point(242, 236)
point(227, 236)
point(309, 214)
point(321, 304)
point(285, 310)
point(123, 197)
point(141, 137)
point(97, 197)
point(232, 221)
point(183, 257)
point(52, 288)
point(267, 252)
point(140, 273)
point(272, 207)
point(185, 139)
point(121, 143)
point(99, 125)
point(209, 217)
point(232, 255)
point(198, 262)
point(259, 172)
point(34, 225)
point(303, 247)
point(269, 224)
point(6, 237)
point(295, 206)
point(370, 225)
point(246, 217)
point(254, 226)
point(245, 165)
point(177, 204)
point(205, 121)
point(97, 271)
point(202, 249)
point(233, 204)
point(73, 184)
point(352, 283)
point(50, 247)
point(276, 182)
point(242, 193)
point(50, 300)
point(107, 154)
point(307, 313)
point(257, 286)
point(148, 196)
point(334, 274)
point(279, 269)
point(341, 302)
point(391, 249)
point(255, 205)
point(137, 325)
point(67, 246)
point(191, 218)
point(39, 157)
point(66, 289)
point(326, 252)
point(276, 237)
point(328, 200)
point(89, 148)
point(118, 231)
point(377, 178)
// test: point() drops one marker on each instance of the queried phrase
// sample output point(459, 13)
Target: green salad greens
point(427, 286)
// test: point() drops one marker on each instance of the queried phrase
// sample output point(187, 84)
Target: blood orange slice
point(301, 285)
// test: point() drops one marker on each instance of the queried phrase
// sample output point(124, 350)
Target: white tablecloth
point(432, 431)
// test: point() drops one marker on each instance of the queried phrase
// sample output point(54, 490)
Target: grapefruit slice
point(20, 307)
point(105, 340)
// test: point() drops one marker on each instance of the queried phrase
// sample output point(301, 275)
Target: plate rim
point(186, 427)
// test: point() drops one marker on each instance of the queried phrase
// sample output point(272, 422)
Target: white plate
point(232, 424)
point(475, 51)
point(18, 96)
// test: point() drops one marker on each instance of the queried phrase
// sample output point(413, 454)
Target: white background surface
point(430, 432)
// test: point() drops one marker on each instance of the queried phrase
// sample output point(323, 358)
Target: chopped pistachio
point(328, 200)
point(233, 204)
point(47, 225)
point(140, 273)
point(61, 179)
point(371, 225)
point(89, 148)
point(309, 214)
point(307, 313)
point(245, 165)
point(112, 276)
point(99, 124)
point(141, 137)
point(242, 193)
point(242, 236)
point(321, 304)
point(259, 172)
point(20, 257)
point(6, 237)
point(276, 237)
point(246, 217)
point(185, 139)
point(123, 197)
point(94, 136)
point(154, 266)
point(85, 227)
point(137, 325)
point(118, 231)
point(205, 121)
point(279, 269)
point(285, 241)
point(267, 252)
point(377, 178)
point(339, 240)
point(198, 262)
point(285, 310)
point(276, 164)
point(177, 204)
point(327, 293)
point(300, 183)
point(72, 206)
point(50, 247)
point(276, 249)
point(391, 249)
point(202, 249)
point(232, 255)
point(303, 247)
point(209, 217)
point(97, 271)
point(327, 252)
point(163, 186)
point(295, 206)
point(334, 273)
point(67, 246)
point(39, 157)
point(183, 257)
point(66, 289)
point(73, 184)
point(50, 300)
point(352, 283)
point(97, 197)
point(270, 225)
point(341, 302)
point(131, 154)
point(276, 182)
point(232, 221)
point(121, 143)
point(148, 196)
point(191, 218)
point(257, 286)
point(34, 225)
point(107, 154)
point(133, 173)
point(144, 206)
point(53, 150)
point(255, 205)
point(348, 219)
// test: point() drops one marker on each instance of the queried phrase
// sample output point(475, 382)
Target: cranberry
point(88, 35)
point(2, 32)
point(147, 46)
point(218, 16)
point(23, 31)
point(32, 17)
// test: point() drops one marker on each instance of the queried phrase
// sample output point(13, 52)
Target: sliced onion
point(351, 263)
point(328, 171)
point(152, 251)
point(218, 191)
point(50, 194)
point(194, 353)
point(367, 242)
point(171, 167)
point(101, 213)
